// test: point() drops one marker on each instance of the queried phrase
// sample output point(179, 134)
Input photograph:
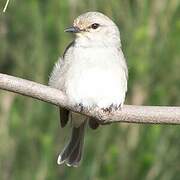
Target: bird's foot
point(79, 107)
point(112, 108)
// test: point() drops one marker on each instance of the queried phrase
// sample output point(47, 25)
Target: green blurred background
point(32, 39)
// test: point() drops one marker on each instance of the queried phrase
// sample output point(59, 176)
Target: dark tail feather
point(72, 152)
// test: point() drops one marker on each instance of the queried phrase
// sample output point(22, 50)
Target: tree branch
point(129, 113)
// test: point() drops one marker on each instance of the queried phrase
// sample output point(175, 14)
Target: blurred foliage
point(32, 39)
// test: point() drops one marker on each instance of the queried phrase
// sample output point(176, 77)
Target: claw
point(112, 108)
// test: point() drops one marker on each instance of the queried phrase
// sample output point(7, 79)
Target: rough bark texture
point(129, 113)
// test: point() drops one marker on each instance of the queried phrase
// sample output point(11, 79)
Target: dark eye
point(95, 26)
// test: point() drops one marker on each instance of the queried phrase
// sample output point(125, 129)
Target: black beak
point(72, 29)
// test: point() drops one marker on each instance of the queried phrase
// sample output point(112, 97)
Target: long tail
point(72, 153)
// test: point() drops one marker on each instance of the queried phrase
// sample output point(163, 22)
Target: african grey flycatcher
point(92, 73)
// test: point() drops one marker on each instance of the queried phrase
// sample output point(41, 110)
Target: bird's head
point(94, 28)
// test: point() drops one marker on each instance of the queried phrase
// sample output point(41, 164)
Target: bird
point(92, 73)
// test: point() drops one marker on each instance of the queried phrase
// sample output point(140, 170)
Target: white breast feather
point(96, 77)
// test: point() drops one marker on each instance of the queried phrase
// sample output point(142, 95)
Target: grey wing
point(58, 75)
point(57, 81)
point(58, 78)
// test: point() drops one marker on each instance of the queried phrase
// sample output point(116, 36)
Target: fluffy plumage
point(92, 72)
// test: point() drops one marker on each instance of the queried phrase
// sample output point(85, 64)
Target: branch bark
point(129, 113)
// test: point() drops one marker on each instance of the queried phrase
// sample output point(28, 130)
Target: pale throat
point(96, 41)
